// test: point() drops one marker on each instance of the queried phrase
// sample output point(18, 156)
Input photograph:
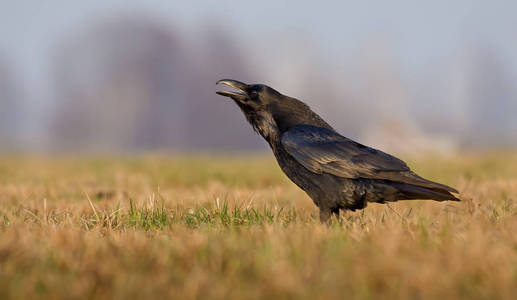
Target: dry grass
point(229, 228)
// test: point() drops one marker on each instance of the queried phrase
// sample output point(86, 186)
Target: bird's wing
point(323, 150)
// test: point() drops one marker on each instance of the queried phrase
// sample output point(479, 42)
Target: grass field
point(235, 227)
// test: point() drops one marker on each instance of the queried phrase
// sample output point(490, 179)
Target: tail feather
point(409, 191)
point(412, 178)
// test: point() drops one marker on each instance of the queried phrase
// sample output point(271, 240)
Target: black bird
point(336, 172)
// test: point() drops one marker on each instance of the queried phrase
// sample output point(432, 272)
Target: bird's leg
point(325, 214)
point(335, 212)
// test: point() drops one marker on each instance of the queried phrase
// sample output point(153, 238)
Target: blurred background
point(126, 76)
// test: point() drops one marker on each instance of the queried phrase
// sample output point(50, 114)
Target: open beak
point(240, 86)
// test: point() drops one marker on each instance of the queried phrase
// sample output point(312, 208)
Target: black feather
point(336, 172)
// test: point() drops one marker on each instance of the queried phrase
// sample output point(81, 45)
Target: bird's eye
point(254, 96)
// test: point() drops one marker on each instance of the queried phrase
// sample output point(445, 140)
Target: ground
point(229, 227)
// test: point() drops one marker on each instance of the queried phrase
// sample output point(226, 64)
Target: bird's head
point(249, 97)
point(269, 112)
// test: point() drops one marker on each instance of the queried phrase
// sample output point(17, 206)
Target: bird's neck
point(264, 124)
point(293, 113)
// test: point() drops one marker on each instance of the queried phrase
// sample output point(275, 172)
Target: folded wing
point(323, 150)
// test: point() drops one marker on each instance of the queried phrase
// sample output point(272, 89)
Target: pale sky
point(419, 32)
point(280, 36)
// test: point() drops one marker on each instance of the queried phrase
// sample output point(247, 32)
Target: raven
point(336, 172)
